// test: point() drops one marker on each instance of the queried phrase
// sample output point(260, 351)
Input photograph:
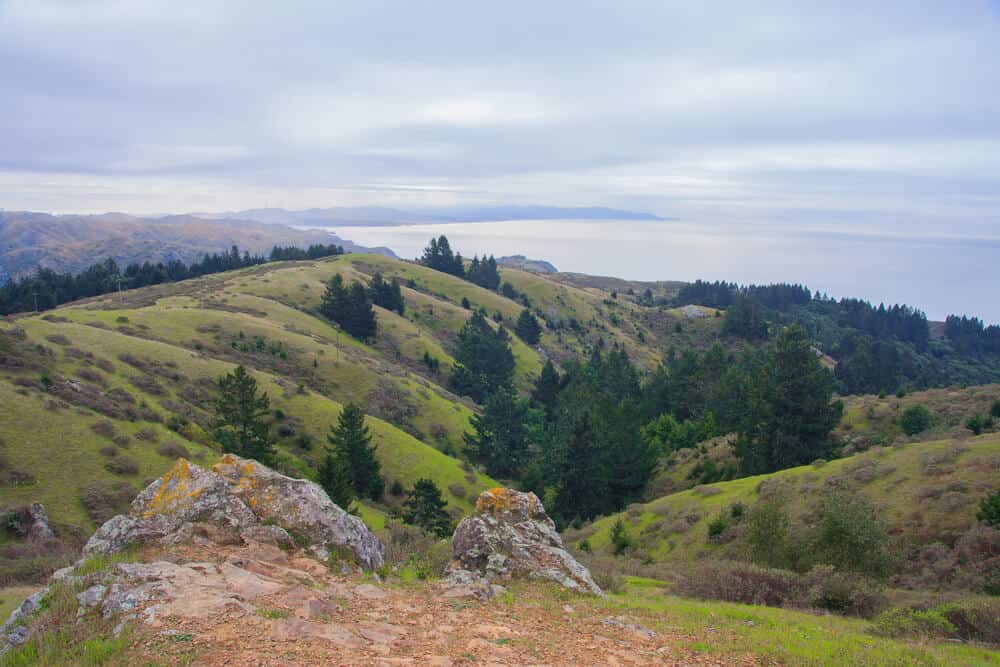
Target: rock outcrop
point(237, 500)
point(511, 536)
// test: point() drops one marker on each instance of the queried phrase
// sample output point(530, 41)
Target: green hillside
point(926, 491)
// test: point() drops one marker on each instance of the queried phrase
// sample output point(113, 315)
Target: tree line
point(46, 289)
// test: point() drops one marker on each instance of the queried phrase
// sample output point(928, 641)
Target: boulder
point(39, 527)
point(511, 536)
point(242, 500)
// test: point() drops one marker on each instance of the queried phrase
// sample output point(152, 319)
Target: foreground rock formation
point(511, 536)
point(238, 500)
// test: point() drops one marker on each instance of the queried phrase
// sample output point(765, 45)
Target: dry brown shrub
point(91, 376)
point(105, 365)
point(457, 490)
point(109, 450)
point(173, 450)
point(103, 500)
point(122, 465)
point(706, 491)
point(58, 339)
point(148, 385)
point(147, 435)
point(104, 428)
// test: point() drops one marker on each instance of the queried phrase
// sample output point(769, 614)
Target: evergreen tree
point(484, 273)
point(438, 256)
point(527, 328)
point(351, 444)
point(333, 476)
point(791, 423)
point(546, 389)
point(745, 318)
point(425, 508)
point(240, 413)
point(500, 440)
point(349, 307)
point(583, 481)
point(386, 294)
point(483, 360)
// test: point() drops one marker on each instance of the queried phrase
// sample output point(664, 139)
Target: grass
point(725, 630)
point(899, 475)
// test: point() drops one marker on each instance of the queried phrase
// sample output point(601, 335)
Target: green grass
point(899, 478)
point(724, 630)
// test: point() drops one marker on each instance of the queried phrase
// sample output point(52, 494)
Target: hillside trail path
point(260, 606)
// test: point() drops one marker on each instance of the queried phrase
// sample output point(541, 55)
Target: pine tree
point(350, 441)
point(546, 389)
point(527, 328)
point(386, 294)
point(791, 423)
point(240, 413)
point(499, 440)
point(333, 476)
point(426, 508)
point(483, 360)
point(583, 483)
point(349, 307)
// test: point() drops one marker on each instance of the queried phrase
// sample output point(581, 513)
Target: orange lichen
point(496, 500)
point(173, 487)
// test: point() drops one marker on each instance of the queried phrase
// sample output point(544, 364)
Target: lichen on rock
point(238, 499)
point(511, 536)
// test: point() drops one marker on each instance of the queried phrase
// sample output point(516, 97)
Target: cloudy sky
point(885, 112)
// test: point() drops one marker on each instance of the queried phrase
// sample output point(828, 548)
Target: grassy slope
point(193, 326)
point(963, 470)
point(722, 631)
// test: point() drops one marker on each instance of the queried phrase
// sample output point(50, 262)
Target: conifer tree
point(240, 413)
point(499, 440)
point(333, 476)
point(483, 360)
point(425, 508)
point(350, 307)
point(546, 389)
point(527, 328)
point(351, 444)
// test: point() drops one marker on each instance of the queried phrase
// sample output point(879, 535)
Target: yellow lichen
point(496, 500)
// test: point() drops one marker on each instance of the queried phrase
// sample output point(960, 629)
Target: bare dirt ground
point(261, 606)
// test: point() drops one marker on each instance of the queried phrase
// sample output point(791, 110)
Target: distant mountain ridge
point(71, 243)
point(384, 216)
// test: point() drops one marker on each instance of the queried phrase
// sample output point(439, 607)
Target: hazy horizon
point(859, 124)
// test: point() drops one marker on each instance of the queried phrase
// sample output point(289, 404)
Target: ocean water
point(938, 272)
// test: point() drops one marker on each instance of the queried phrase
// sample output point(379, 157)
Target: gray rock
point(39, 527)
point(92, 597)
point(237, 500)
point(511, 536)
point(15, 631)
point(301, 507)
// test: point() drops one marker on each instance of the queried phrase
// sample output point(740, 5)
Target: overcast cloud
point(838, 112)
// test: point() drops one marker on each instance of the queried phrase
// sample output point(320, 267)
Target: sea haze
point(939, 272)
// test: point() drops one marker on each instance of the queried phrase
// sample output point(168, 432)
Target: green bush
point(989, 510)
point(896, 622)
point(995, 409)
point(915, 419)
point(851, 535)
point(978, 423)
point(767, 532)
point(621, 541)
point(718, 526)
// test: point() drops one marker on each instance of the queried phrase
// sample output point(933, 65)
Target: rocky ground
point(258, 605)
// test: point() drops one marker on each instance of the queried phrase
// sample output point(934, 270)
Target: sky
point(852, 114)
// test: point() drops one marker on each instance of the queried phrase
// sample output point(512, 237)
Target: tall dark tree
point(791, 423)
point(240, 425)
point(438, 256)
point(351, 444)
point(745, 319)
point(349, 307)
point(334, 477)
point(527, 328)
point(484, 273)
point(386, 293)
point(499, 439)
point(425, 507)
point(483, 360)
point(582, 490)
point(546, 389)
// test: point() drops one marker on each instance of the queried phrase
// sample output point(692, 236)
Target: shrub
point(731, 581)
point(457, 490)
point(989, 510)
point(974, 620)
point(104, 429)
point(844, 593)
point(620, 539)
point(103, 500)
point(978, 423)
point(173, 450)
point(397, 488)
point(718, 525)
point(897, 622)
point(915, 419)
point(995, 409)
point(767, 532)
point(851, 535)
point(122, 465)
